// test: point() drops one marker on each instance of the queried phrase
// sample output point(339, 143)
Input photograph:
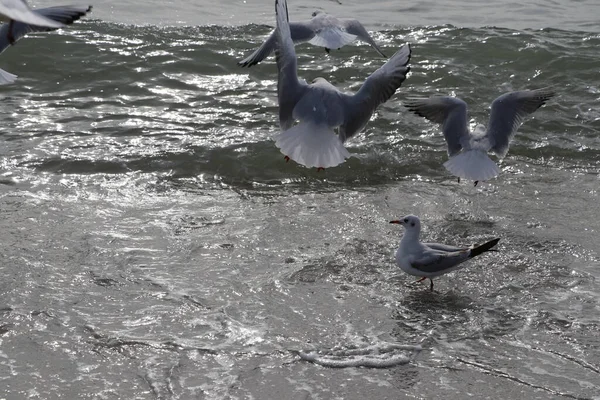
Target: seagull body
point(428, 260)
point(320, 107)
point(468, 150)
point(322, 30)
point(10, 33)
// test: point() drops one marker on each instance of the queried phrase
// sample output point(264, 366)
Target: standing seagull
point(12, 32)
point(429, 260)
point(468, 151)
point(321, 107)
point(322, 30)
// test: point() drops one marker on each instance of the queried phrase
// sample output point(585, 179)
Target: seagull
point(468, 150)
point(10, 33)
point(321, 30)
point(429, 260)
point(321, 108)
point(18, 10)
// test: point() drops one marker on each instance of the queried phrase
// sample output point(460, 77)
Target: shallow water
point(155, 244)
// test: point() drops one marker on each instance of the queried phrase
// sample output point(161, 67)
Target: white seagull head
point(409, 222)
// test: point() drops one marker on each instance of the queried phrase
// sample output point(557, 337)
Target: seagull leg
point(475, 184)
point(286, 158)
point(459, 179)
point(431, 286)
point(320, 169)
point(327, 50)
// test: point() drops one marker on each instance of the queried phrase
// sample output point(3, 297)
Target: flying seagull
point(10, 33)
point(18, 10)
point(321, 108)
point(429, 260)
point(468, 150)
point(322, 30)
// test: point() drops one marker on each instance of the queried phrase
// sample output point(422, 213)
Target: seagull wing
point(7, 77)
point(300, 31)
point(354, 27)
point(377, 89)
point(289, 88)
point(450, 113)
point(444, 247)
point(438, 262)
point(508, 112)
point(65, 15)
point(18, 10)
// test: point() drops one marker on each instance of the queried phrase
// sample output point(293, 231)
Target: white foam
point(383, 355)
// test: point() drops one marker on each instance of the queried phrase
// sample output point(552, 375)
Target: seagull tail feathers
point(475, 251)
point(312, 145)
point(6, 77)
point(332, 39)
point(473, 165)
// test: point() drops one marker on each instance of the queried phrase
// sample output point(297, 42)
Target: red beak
point(396, 221)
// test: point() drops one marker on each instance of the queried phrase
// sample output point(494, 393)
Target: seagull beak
point(396, 221)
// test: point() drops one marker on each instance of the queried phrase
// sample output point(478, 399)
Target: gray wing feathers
point(508, 112)
point(450, 113)
point(436, 261)
point(63, 14)
point(289, 89)
point(377, 89)
point(261, 53)
point(444, 247)
point(354, 27)
point(18, 10)
point(299, 31)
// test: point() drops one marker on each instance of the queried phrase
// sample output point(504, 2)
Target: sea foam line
point(376, 356)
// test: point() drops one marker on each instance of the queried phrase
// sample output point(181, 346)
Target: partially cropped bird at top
point(18, 10)
point(321, 108)
point(322, 30)
point(15, 30)
point(468, 150)
point(428, 260)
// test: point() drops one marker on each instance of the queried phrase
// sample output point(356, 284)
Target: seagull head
point(409, 222)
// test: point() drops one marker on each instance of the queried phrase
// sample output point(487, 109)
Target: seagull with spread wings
point(322, 30)
point(321, 108)
point(468, 150)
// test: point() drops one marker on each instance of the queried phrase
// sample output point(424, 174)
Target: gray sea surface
point(154, 244)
